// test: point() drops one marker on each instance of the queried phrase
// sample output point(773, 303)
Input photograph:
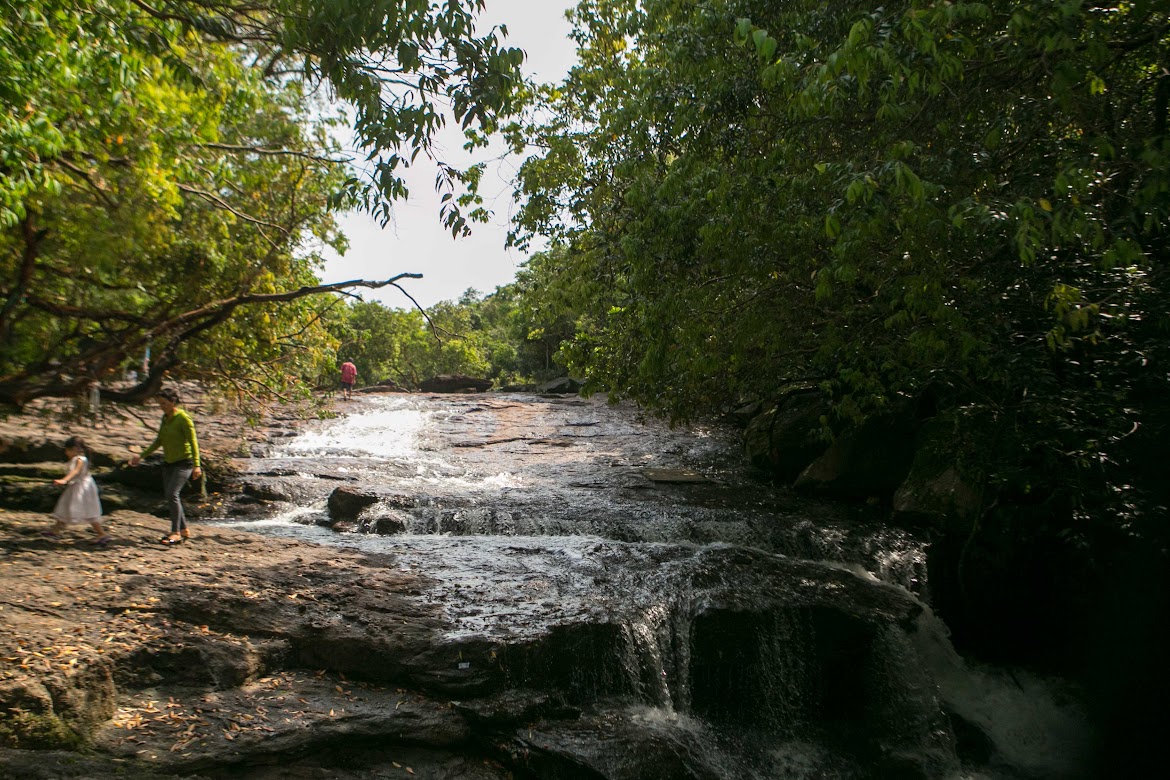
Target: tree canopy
point(956, 204)
point(483, 336)
point(169, 174)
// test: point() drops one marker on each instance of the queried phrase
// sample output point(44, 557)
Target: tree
point(551, 296)
point(383, 343)
point(960, 203)
point(165, 169)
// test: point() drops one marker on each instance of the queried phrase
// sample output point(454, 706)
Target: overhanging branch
point(73, 377)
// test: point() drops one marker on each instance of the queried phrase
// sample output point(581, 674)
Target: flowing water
point(736, 628)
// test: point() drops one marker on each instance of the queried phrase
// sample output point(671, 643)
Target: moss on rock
point(25, 730)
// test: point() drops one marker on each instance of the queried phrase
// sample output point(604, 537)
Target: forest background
point(953, 213)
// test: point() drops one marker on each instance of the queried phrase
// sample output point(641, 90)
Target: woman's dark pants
point(175, 475)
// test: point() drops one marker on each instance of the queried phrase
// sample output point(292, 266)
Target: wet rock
point(397, 500)
point(571, 655)
point(346, 503)
point(676, 476)
point(287, 488)
point(785, 439)
point(614, 746)
point(454, 383)
point(562, 386)
point(393, 523)
point(269, 490)
point(511, 707)
point(870, 462)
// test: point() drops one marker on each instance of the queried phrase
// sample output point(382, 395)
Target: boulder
point(565, 385)
point(869, 462)
point(393, 523)
point(925, 498)
point(454, 383)
point(786, 438)
point(346, 503)
point(267, 491)
point(385, 386)
point(937, 491)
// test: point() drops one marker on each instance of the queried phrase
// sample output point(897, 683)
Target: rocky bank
point(238, 655)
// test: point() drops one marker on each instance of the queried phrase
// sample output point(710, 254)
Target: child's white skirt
point(79, 503)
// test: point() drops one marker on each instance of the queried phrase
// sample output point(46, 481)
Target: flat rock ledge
point(257, 657)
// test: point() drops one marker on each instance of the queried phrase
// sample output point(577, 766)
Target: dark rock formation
point(936, 491)
point(392, 523)
point(385, 386)
point(454, 383)
point(346, 503)
point(869, 462)
point(565, 385)
point(785, 439)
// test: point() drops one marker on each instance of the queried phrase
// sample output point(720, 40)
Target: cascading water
point(571, 468)
point(742, 629)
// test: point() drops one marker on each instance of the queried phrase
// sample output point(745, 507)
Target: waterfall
point(742, 631)
point(1034, 725)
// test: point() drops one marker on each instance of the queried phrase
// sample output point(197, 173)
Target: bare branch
point(271, 151)
point(221, 203)
point(423, 312)
point(168, 336)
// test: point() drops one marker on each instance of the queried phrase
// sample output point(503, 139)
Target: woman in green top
point(176, 436)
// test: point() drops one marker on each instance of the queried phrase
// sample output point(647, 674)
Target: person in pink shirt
point(348, 377)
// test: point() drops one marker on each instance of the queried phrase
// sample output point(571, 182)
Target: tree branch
point(32, 240)
point(169, 336)
point(221, 203)
point(271, 151)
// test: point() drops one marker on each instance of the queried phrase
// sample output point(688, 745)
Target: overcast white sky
point(416, 241)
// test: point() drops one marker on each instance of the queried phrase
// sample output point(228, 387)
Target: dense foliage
point(958, 206)
point(168, 175)
point(481, 336)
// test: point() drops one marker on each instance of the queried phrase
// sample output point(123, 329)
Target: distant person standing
point(176, 436)
point(348, 377)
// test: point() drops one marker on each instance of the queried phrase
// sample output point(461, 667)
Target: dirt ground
point(64, 611)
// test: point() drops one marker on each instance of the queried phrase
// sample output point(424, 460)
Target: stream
point(690, 619)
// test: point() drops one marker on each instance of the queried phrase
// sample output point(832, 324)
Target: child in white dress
point(79, 502)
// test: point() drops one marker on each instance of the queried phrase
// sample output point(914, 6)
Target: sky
point(416, 242)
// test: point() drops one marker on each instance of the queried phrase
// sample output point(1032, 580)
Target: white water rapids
point(554, 496)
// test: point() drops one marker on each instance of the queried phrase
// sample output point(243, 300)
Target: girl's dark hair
point(75, 442)
point(170, 394)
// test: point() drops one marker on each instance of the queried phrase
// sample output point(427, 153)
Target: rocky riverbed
point(614, 602)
